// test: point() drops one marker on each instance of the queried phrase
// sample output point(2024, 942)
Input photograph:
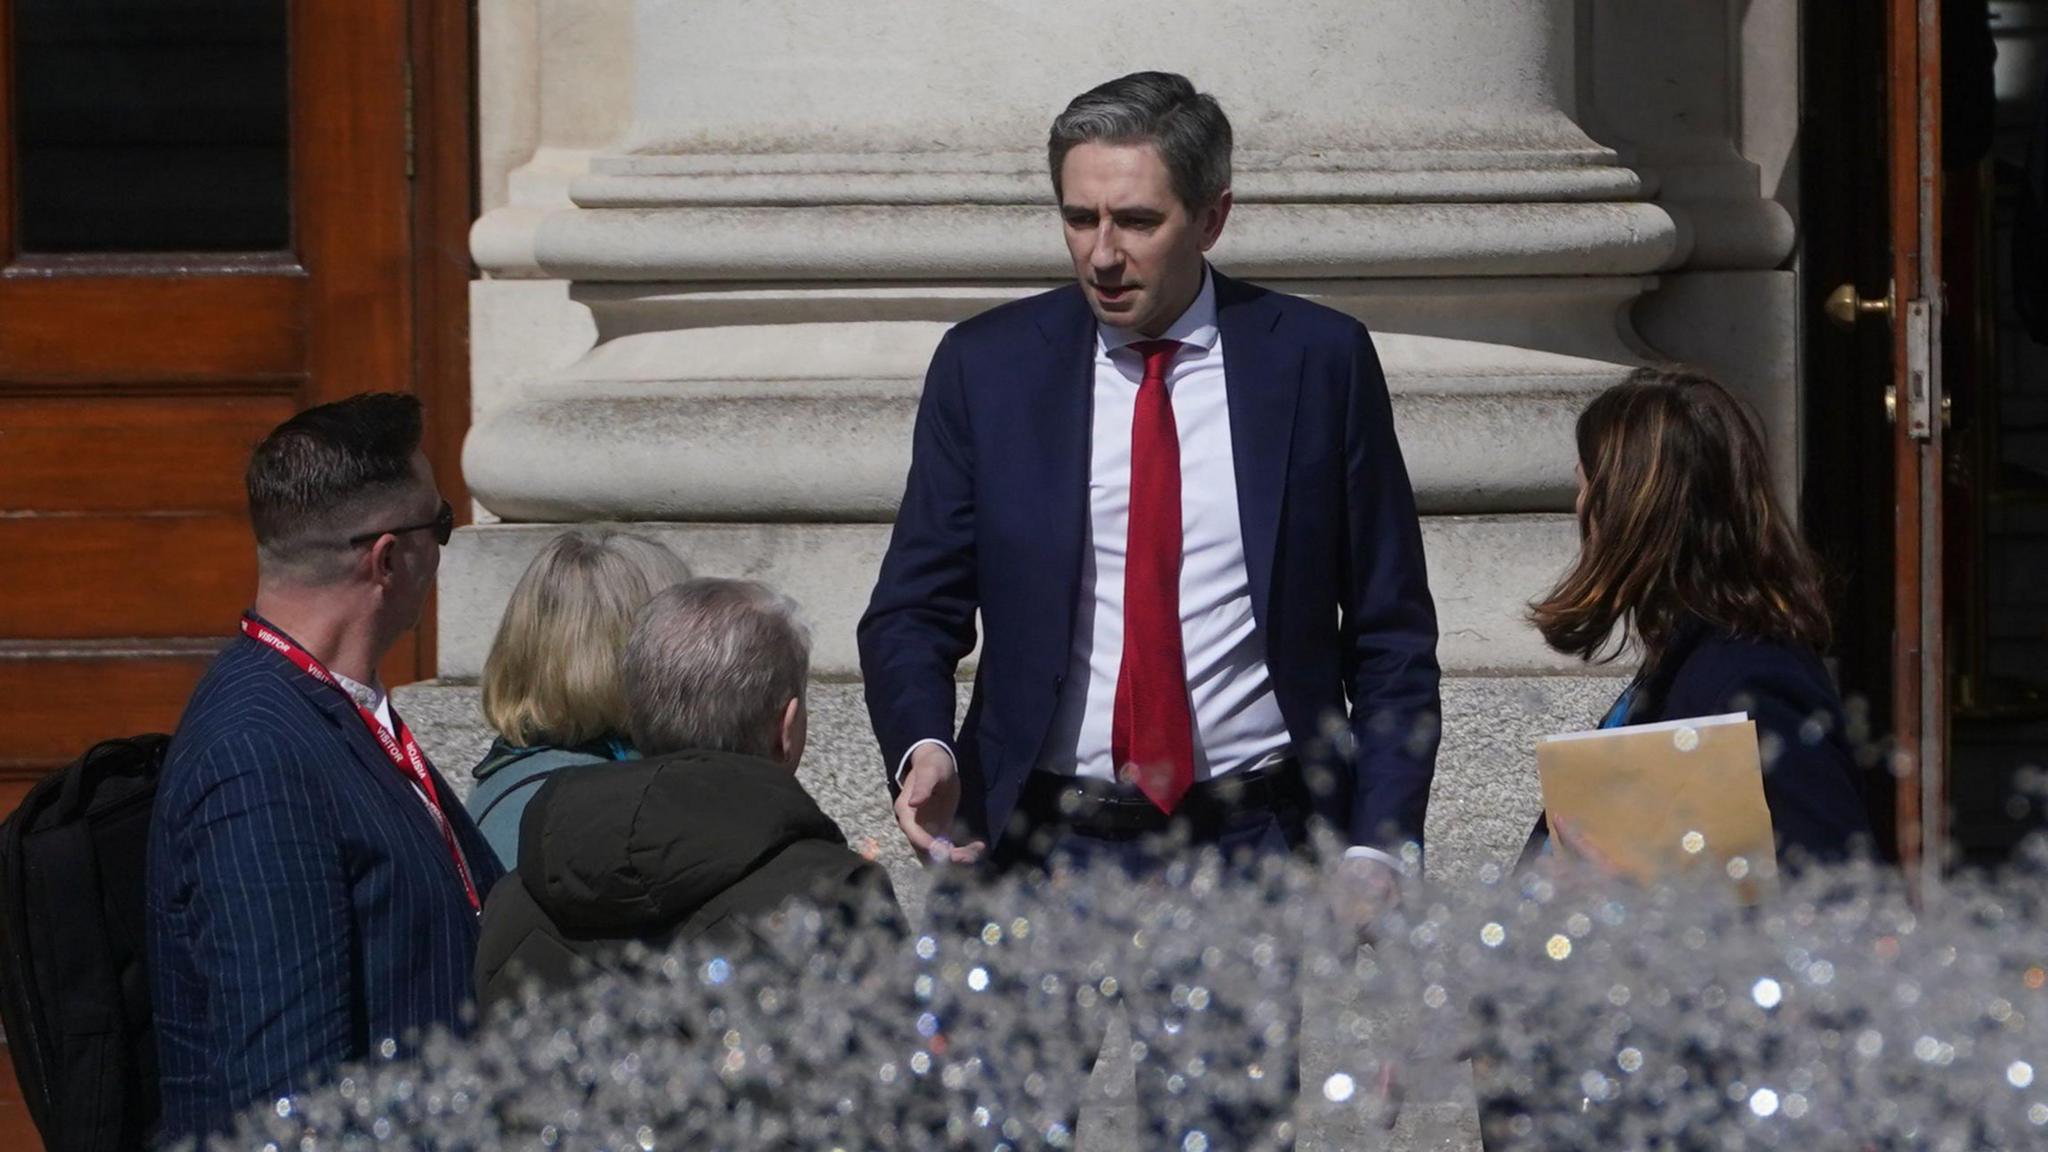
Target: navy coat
point(302, 907)
point(1811, 780)
point(994, 519)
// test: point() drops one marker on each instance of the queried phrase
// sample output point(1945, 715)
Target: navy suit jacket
point(995, 515)
point(301, 904)
point(1811, 781)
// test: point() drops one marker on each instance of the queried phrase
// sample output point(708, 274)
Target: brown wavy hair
point(1679, 523)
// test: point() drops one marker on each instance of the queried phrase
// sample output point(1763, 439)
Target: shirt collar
point(366, 695)
point(1196, 326)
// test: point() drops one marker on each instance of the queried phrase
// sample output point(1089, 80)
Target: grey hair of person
point(1161, 108)
point(712, 664)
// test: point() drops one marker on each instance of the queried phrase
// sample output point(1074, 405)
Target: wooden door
point(1919, 668)
point(212, 214)
point(209, 218)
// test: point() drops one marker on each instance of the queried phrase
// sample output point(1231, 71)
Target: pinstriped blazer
point(301, 904)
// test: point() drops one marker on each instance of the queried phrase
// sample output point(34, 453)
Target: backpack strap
point(536, 775)
point(129, 756)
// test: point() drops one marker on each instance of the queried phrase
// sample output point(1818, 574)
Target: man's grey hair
point(1161, 108)
point(711, 665)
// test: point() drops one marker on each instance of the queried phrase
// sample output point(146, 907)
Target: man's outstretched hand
point(927, 804)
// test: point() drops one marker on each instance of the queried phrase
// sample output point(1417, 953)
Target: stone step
point(1483, 570)
point(967, 241)
point(814, 421)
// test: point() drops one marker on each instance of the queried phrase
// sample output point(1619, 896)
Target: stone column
point(741, 226)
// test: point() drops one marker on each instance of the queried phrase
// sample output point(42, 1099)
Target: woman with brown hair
point(1687, 559)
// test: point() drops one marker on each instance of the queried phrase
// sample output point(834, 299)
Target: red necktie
point(1151, 732)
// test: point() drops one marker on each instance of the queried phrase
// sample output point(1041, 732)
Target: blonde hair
point(553, 673)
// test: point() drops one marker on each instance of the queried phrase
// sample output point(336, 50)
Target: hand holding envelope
point(1677, 801)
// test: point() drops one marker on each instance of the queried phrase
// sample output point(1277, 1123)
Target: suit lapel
point(1262, 379)
point(340, 711)
point(1066, 380)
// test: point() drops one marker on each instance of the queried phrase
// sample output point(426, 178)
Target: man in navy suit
point(1177, 504)
point(313, 882)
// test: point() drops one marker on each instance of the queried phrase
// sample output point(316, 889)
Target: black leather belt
point(1111, 811)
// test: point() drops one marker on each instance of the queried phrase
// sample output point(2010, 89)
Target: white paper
point(1660, 726)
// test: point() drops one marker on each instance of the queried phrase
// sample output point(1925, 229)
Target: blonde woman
point(551, 683)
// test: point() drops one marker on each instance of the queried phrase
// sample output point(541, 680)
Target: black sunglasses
point(443, 525)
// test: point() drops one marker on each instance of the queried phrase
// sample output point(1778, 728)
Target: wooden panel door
point(212, 214)
point(210, 218)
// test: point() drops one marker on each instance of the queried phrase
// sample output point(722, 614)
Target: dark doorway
point(1846, 486)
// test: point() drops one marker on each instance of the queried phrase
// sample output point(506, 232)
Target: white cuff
point(903, 765)
point(1361, 852)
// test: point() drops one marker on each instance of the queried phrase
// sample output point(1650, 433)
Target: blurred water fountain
point(1835, 1015)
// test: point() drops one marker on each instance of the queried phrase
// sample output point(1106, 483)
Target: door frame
point(1920, 665)
point(443, 69)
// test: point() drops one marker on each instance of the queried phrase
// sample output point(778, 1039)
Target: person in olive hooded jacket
point(709, 829)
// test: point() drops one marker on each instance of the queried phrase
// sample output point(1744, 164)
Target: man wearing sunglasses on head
point(313, 883)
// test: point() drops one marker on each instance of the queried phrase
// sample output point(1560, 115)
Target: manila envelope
point(1676, 801)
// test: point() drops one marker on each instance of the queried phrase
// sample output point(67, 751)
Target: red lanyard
point(402, 749)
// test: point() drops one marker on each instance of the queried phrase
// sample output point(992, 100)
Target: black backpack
point(74, 993)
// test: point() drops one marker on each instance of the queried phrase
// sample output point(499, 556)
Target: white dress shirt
point(378, 702)
point(1238, 724)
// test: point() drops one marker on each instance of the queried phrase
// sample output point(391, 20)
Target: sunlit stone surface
point(1835, 1015)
